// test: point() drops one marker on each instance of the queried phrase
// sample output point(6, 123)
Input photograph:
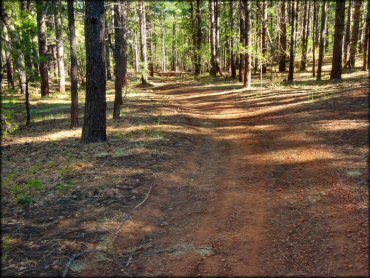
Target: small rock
point(109, 193)
point(163, 224)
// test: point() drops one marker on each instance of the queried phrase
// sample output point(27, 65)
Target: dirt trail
point(253, 191)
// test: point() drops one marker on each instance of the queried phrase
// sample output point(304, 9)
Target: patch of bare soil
point(243, 183)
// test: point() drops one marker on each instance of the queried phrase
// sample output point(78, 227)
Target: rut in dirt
point(252, 192)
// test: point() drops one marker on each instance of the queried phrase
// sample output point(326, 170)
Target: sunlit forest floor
point(266, 181)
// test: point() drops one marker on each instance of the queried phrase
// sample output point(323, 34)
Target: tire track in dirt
point(239, 198)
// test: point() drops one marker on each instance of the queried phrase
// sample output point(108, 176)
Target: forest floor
point(270, 181)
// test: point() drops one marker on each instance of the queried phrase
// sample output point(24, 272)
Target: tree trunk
point(198, 39)
point(305, 35)
point(322, 38)
point(336, 69)
point(94, 127)
point(232, 54)
point(264, 30)
point(137, 60)
point(314, 36)
point(16, 45)
point(283, 37)
point(366, 54)
point(107, 51)
point(149, 23)
point(213, 71)
point(347, 35)
point(163, 44)
point(354, 33)
point(120, 55)
point(60, 46)
point(242, 39)
point(248, 58)
point(8, 59)
point(292, 41)
point(43, 67)
point(73, 54)
point(143, 50)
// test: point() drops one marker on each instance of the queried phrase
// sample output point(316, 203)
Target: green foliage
point(7, 244)
point(35, 184)
point(64, 186)
point(24, 198)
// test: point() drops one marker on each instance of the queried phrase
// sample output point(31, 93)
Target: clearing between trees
point(234, 182)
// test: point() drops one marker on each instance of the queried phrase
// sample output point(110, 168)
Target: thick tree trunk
point(292, 41)
point(94, 127)
point(43, 67)
point(322, 38)
point(347, 35)
point(305, 35)
point(248, 56)
point(283, 37)
point(336, 69)
point(198, 49)
point(366, 54)
point(354, 33)
point(74, 73)
point(60, 46)
point(232, 41)
point(120, 55)
point(143, 48)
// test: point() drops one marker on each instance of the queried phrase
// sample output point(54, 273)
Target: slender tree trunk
point(107, 51)
point(163, 44)
point(217, 30)
point(8, 59)
point(314, 36)
point(336, 68)
point(213, 71)
point(137, 60)
point(347, 35)
point(283, 37)
point(306, 23)
point(232, 41)
point(242, 39)
point(248, 58)
point(198, 50)
point(322, 38)
point(94, 127)
point(354, 33)
point(173, 56)
point(292, 41)
point(74, 68)
point(150, 42)
point(60, 46)
point(120, 55)
point(43, 67)
point(143, 50)
point(264, 34)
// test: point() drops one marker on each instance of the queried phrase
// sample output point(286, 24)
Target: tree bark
point(163, 44)
point(198, 49)
point(305, 35)
point(150, 28)
point(232, 41)
point(336, 69)
point(107, 50)
point(264, 34)
point(143, 48)
point(94, 127)
point(213, 71)
point(74, 69)
point(8, 60)
point(292, 41)
point(354, 33)
point(366, 54)
point(60, 46)
point(282, 38)
point(347, 35)
point(120, 53)
point(242, 39)
point(314, 36)
point(322, 39)
point(248, 58)
point(43, 67)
